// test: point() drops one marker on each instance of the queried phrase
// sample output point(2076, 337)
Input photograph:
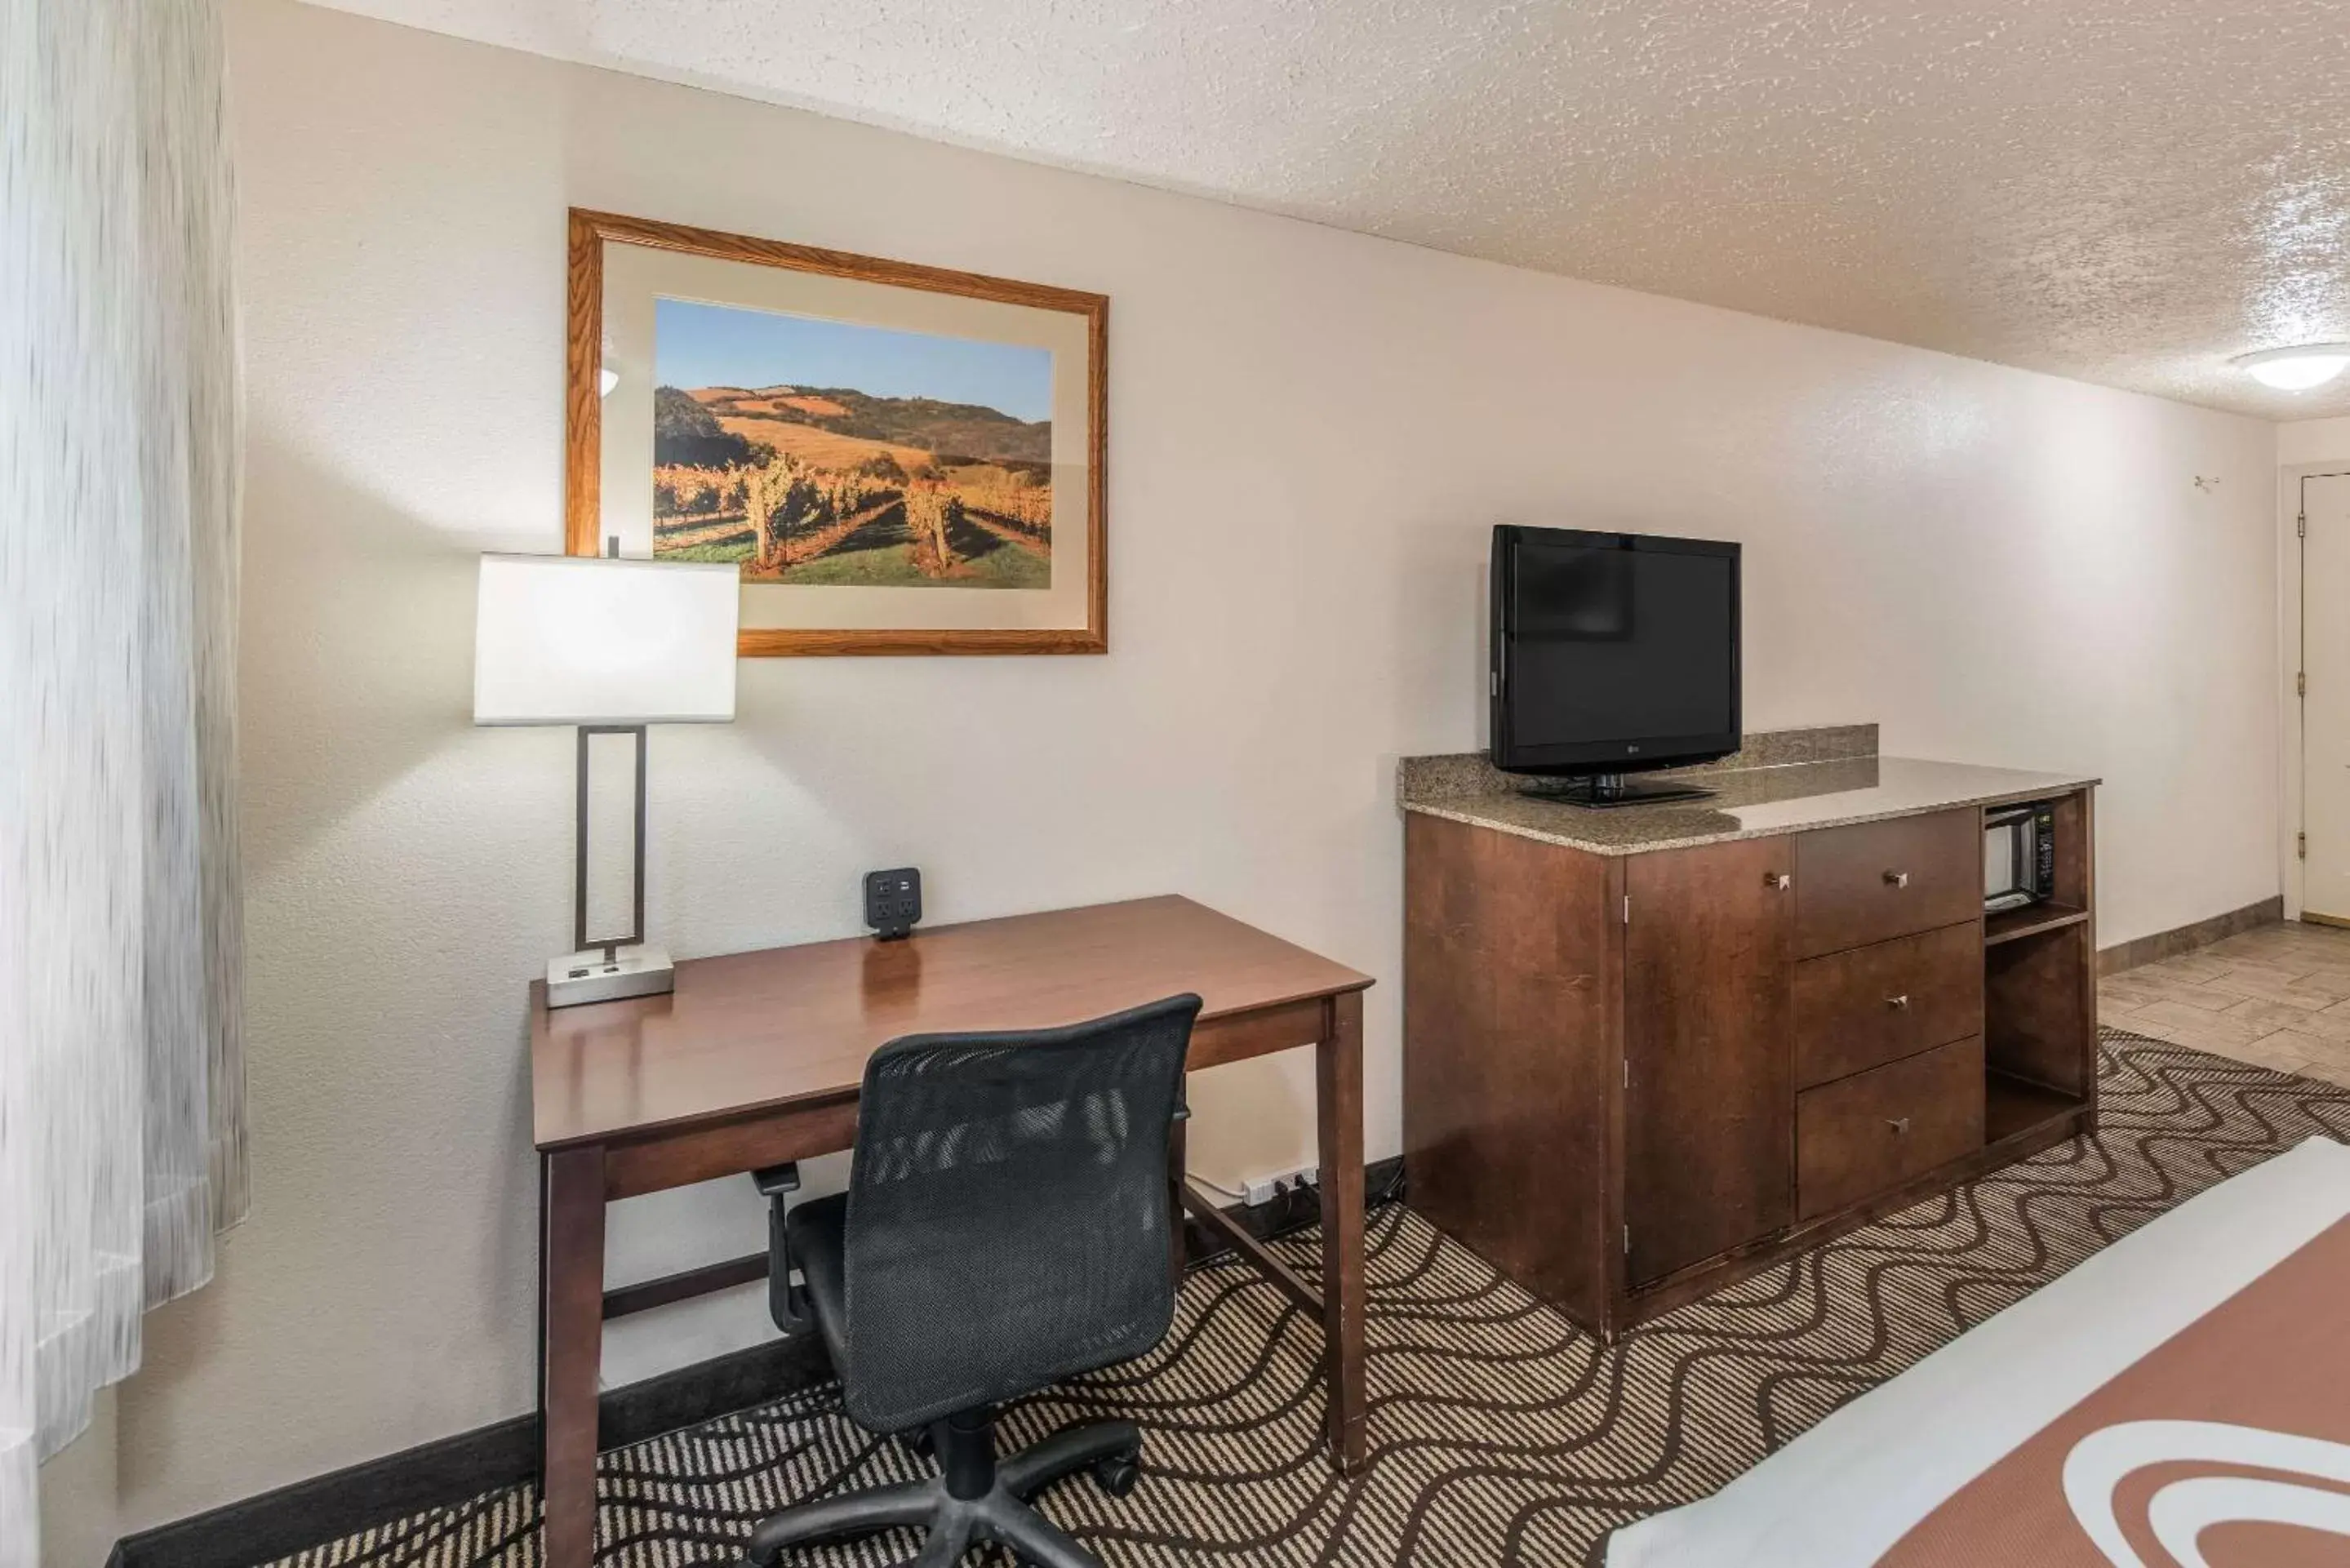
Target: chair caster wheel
point(917, 1442)
point(1116, 1474)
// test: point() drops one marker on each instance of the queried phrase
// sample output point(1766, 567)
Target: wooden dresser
point(1652, 1049)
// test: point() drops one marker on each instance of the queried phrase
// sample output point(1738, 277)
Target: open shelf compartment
point(2013, 1105)
point(2039, 993)
point(2011, 925)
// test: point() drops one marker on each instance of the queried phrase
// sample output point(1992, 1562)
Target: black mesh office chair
point(1006, 1226)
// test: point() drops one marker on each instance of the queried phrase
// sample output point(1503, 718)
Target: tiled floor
point(2279, 996)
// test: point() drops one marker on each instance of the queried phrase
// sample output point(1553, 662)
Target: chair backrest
point(1008, 1214)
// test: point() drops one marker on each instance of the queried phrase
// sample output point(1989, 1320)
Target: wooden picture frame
point(1077, 612)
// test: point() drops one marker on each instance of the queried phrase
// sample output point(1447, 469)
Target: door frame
point(2293, 481)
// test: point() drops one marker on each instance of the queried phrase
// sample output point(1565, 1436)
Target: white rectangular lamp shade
point(586, 639)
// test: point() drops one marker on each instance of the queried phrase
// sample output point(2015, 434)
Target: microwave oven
point(2019, 855)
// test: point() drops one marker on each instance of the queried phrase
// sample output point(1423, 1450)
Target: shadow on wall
point(357, 661)
point(356, 672)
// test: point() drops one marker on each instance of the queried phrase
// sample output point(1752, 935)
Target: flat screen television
point(1612, 654)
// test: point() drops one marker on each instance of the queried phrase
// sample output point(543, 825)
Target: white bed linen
point(1844, 1492)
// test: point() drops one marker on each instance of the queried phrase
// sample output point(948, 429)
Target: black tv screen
point(1612, 653)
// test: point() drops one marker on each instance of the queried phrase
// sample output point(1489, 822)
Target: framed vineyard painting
point(901, 458)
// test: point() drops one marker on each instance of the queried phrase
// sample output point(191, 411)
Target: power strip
point(1265, 1189)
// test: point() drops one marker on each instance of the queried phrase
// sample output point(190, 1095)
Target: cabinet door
point(1710, 1101)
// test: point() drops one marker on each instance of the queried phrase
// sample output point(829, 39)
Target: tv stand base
point(1601, 790)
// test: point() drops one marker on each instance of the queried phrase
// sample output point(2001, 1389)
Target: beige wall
point(1312, 432)
point(79, 1492)
point(2313, 440)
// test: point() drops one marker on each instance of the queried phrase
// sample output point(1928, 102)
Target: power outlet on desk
point(893, 901)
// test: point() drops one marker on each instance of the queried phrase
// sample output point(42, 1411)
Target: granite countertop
point(1748, 801)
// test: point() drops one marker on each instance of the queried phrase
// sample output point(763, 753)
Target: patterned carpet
point(1499, 1433)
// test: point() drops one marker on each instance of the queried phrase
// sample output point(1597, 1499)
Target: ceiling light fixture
point(2296, 370)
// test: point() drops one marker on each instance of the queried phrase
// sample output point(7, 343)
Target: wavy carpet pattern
point(1499, 1434)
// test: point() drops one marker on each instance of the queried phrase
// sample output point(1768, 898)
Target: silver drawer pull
point(1897, 878)
point(1900, 1125)
point(1898, 1004)
point(1778, 879)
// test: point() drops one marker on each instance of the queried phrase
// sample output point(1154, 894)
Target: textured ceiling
point(2129, 192)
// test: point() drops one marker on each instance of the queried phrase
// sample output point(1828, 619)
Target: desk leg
point(1339, 1104)
point(572, 1323)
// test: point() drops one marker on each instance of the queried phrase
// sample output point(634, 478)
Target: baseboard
point(2187, 939)
point(451, 1470)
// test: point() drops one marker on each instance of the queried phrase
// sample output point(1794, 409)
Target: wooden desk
point(757, 1058)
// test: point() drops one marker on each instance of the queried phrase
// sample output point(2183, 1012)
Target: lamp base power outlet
point(584, 977)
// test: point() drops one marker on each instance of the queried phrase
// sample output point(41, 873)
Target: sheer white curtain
point(121, 1076)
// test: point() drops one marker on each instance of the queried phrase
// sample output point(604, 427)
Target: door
point(1710, 1091)
point(2325, 705)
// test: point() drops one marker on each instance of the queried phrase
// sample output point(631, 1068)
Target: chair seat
point(818, 1231)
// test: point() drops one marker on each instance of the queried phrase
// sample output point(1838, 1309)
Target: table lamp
point(611, 646)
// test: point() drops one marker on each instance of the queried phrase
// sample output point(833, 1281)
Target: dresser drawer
point(1870, 1133)
point(1883, 880)
point(1867, 1006)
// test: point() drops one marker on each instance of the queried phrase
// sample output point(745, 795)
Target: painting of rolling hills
point(818, 453)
